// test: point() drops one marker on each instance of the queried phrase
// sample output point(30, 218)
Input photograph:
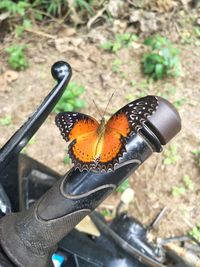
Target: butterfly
point(99, 146)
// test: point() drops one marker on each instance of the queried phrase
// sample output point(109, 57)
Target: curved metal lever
point(61, 71)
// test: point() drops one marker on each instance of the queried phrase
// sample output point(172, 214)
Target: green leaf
point(66, 160)
point(107, 46)
point(38, 15)
point(188, 182)
point(149, 41)
point(156, 58)
point(79, 103)
point(165, 52)
point(116, 47)
point(77, 90)
point(159, 70)
point(123, 186)
point(19, 30)
point(27, 23)
point(17, 59)
point(69, 107)
point(69, 100)
point(167, 161)
point(148, 67)
point(68, 94)
point(6, 121)
point(162, 53)
point(177, 191)
point(83, 4)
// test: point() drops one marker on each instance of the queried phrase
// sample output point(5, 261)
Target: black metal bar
point(61, 71)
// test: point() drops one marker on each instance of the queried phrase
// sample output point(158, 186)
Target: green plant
point(15, 8)
point(66, 160)
point(36, 10)
point(19, 29)
point(162, 59)
point(17, 59)
point(106, 213)
point(70, 100)
point(178, 190)
point(51, 7)
point(82, 4)
point(195, 233)
point(188, 182)
point(133, 83)
point(191, 37)
point(120, 41)
point(179, 102)
point(123, 186)
point(116, 65)
point(196, 153)
point(171, 156)
point(32, 141)
point(129, 97)
point(197, 31)
point(55, 7)
point(20, 9)
point(6, 121)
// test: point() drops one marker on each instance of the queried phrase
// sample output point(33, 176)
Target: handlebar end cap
point(60, 69)
point(166, 121)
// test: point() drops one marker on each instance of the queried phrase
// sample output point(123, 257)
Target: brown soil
point(92, 68)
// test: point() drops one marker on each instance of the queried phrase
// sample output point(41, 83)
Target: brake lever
point(61, 71)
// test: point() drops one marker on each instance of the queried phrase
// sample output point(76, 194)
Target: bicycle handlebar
point(31, 236)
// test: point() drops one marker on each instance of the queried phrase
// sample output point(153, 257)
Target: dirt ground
point(93, 68)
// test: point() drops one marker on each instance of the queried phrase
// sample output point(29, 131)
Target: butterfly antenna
point(97, 109)
point(108, 103)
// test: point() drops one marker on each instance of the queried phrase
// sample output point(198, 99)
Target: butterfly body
point(97, 145)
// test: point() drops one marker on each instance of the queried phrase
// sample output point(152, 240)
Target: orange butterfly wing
point(74, 124)
point(82, 131)
point(119, 123)
point(82, 151)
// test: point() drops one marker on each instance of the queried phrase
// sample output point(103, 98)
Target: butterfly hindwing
point(113, 148)
point(74, 124)
point(82, 151)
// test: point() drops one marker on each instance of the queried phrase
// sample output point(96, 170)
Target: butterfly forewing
point(136, 113)
point(74, 124)
point(119, 122)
